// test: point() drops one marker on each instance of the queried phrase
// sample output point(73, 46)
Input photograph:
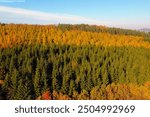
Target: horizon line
point(26, 16)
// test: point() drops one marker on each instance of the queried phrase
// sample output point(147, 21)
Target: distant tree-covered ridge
point(79, 62)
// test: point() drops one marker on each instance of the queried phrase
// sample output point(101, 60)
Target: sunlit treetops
point(11, 35)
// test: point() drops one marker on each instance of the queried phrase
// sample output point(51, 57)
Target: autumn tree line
point(73, 62)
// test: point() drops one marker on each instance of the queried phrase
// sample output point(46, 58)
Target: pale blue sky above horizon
point(115, 13)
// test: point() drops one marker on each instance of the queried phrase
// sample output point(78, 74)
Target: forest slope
point(73, 62)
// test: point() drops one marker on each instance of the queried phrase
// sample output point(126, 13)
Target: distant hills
point(145, 30)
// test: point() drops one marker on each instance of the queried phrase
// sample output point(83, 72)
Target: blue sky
point(115, 13)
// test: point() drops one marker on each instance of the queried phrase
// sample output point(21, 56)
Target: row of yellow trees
point(110, 92)
point(11, 35)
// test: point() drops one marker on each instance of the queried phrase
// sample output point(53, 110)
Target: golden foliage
point(60, 96)
point(110, 92)
point(1, 82)
point(121, 92)
point(12, 35)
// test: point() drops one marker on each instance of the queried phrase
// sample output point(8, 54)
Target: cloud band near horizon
point(25, 16)
point(19, 15)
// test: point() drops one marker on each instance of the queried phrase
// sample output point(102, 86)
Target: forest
point(73, 62)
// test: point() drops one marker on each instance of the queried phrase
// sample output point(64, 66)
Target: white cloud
point(12, 1)
point(19, 15)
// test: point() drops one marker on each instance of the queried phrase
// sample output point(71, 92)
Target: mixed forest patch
point(73, 62)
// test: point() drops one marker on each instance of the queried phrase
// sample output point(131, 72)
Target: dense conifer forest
point(63, 62)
